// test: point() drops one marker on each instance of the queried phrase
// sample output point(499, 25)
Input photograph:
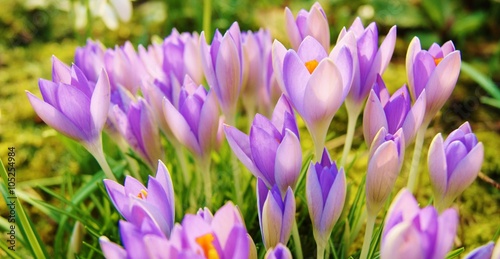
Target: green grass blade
point(455, 253)
point(485, 82)
point(10, 253)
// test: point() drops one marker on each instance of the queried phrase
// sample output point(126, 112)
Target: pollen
point(206, 244)
point(311, 65)
point(143, 194)
point(437, 61)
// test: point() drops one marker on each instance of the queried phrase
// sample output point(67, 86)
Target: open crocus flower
point(90, 59)
point(326, 192)
point(435, 70)
point(454, 164)
point(75, 107)
point(385, 162)
point(313, 23)
point(278, 252)
point(276, 214)
point(411, 232)
point(392, 112)
point(272, 150)
point(315, 83)
point(138, 128)
point(222, 64)
point(135, 202)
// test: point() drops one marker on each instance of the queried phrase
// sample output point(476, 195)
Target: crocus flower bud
point(278, 252)
point(272, 150)
point(90, 59)
point(392, 112)
point(435, 70)
point(124, 67)
point(369, 60)
point(325, 192)
point(482, 252)
point(411, 232)
point(315, 83)
point(276, 214)
point(222, 64)
point(454, 164)
point(313, 23)
point(138, 128)
point(385, 161)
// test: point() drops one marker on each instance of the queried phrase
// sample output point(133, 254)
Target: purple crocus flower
point(315, 83)
point(411, 232)
point(90, 59)
point(369, 60)
point(152, 59)
point(124, 67)
point(194, 118)
point(325, 192)
point(136, 203)
point(272, 150)
point(313, 23)
point(482, 252)
point(392, 112)
point(222, 64)
point(435, 70)
point(276, 214)
point(454, 164)
point(138, 128)
point(385, 162)
point(278, 252)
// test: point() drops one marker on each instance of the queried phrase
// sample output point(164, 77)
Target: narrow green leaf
point(485, 82)
point(455, 253)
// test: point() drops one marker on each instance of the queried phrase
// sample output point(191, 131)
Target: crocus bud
point(138, 128)
point(276, 214)
point(454, 164)
point(124, 67)
point(482, 252)
point(278, 252)
point(313, 23)
point(392, 112)
point(222, 64)
point(272, 150)
point(369, 60)
point(325, 192)
point(315, 83)
point(90, 59)
point(136, 203)
point(435, 70)
point(411, 232)
point(385, 161)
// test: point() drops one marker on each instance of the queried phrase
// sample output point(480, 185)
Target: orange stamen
point(206, 244)
point(143, 194)
point(437, 61)
point(311, 65)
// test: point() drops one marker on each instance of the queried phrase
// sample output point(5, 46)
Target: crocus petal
point(180, 127)
point(413, 49)
point(311, 49)
point(295, 78)
point(111, 250)
point(437, 167)
point(279, 252)
point(237, 245)
point(334, 203)
point(208, 126)
point(272, 221)
point(317, 25)
point(228, 72)
point(117, 195)
point(240, 144)
point(447, 230)
point(99, 104)
point(374, 118)
point(314, 197)
point(224, 220)
point(382, 58)
point(263, 147)
point(414, 118)
point(207, 62)
point(288, 161)
point(403, 207)
point(278, 56)
point(60, 71)
point(163, 177)
point(76, 106)
point(288, 216)
point(482, 252)
point(402, 242)
point(292, 29)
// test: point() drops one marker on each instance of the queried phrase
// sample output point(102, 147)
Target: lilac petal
point(149, 218)
point(482, 252)
point(228, 73)
point(424, 65)
point(163, 177)
point(264, 147)
point(99, 104)
point(132, 239)
point(209, 123)
point(240, 144)
point(442, 82)
point(295, 78)
point(437, 167)
point(414, 118)
point(344, 63)
point(317, 25)
point(311, 49)
point(447, 48)
point(76, 106)
point(323, 94)
point(266, 125)
point(456, 152)
point(282, 107)
point(465, 172)
point(413, 49)
point(190, 111)
point(334, 203)
point(447, 230)
point(150, 134)
point(278, 56)
point(288, 161)
point(180, 127)
point(272, 221)
point(79, 80)
point(168, 250)
point(357, 27)
point(133, 186)
point(402, 241)
point(116, 193)
point(374, 118)
point(382, 58)
point(111, 250)
point(262, 191)
point(288, 216)
point(207, 62)
point(278, 252)
point(292, 29)
point(224, 221)
point(367, 49)
point(404, 207)
point(314, 196)
point(164, 203)
point(49, 92)
point(56, 119)
point(237, 245)
point(60, 71)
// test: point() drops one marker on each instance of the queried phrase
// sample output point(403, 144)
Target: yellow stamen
point(437, 61)
point(311, 65)
point(143, 194)
point(206, 243)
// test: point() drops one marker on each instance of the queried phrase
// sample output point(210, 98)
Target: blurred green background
point(31, 31)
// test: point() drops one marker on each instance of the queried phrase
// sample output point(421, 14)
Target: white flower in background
point(110, 11)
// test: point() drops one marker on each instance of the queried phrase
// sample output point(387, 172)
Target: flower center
point(206, 243)
point(311, 65)
point(437, 61)
point(143, 194)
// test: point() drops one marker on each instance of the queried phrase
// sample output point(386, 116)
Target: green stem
point(321, 251)
point(370, 224)
point(351, 127)
point(97, 151)
point(207, 18)
point(203, 164)
point(181, 156)
point(415, 162)
point(296, 241)
point(236, 177)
